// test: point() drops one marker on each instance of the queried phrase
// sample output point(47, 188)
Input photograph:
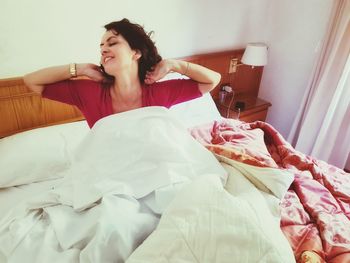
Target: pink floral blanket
point(315, 213)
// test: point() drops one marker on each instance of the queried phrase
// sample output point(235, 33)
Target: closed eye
point(112, 44)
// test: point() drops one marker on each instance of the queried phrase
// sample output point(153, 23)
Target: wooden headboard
point(21, 109)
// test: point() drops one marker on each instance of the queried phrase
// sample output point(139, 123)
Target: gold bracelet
point(73, 70)
point(188, 65)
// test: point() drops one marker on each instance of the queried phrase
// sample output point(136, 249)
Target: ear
point(137, 54)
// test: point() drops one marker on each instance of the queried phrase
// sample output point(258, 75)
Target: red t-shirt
point(95, 102)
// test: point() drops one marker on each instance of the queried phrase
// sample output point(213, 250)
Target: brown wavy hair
point(138, 39)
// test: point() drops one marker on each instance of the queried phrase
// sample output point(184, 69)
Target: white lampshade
point(255, 54)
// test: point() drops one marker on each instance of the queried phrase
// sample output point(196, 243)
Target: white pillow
point(194, 112)
point(39, 154)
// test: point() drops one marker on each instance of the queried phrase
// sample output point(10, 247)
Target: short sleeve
point(171, 92)
point(67, 91)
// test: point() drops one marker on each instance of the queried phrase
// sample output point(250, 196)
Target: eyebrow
point(108, 40)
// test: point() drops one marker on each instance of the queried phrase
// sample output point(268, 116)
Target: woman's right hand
point(90, 70)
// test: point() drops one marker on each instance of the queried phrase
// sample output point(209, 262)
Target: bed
point(158, 185)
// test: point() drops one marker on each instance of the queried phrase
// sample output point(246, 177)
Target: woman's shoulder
point(170, 92)
point(87, 84)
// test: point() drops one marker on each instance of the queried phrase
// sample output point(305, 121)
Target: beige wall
point(295, 30)
point(40, 33)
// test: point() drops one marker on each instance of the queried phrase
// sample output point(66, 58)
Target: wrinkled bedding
point(120, 179)
point(315, 212)
point(140, 181)
point(209, 223)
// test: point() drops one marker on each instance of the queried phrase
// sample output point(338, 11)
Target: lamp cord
point(230, 104)
point(233, 95)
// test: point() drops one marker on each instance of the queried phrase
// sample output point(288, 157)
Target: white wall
point(42, 33)
point(295, 30)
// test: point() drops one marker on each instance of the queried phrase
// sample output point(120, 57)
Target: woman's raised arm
point(207, 78)
point(37, 80)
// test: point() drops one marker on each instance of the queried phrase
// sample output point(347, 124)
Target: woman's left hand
point(159, 71)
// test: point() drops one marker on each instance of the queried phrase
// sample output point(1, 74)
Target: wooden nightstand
point(254, 108)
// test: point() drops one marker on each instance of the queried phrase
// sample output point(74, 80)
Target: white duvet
point(130, 169)
point(208, 223)
point(121, 177)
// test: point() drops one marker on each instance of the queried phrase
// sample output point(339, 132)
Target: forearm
point(37, 80)
point(207, 77)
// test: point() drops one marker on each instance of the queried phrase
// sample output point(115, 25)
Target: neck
point(127, 87)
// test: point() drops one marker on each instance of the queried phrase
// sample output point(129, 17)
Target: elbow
point(26, 80)
point(216, 80)
point(32, 86)
point(210, 85)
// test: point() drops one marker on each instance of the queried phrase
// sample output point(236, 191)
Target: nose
point(104, 50)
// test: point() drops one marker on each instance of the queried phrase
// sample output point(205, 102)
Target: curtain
point(322, 125)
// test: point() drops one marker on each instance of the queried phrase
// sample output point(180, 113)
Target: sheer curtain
point(322, 125)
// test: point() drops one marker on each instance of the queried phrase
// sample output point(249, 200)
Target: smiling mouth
point(107, 59)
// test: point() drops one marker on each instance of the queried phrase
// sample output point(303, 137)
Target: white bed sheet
point(147, 208)
point(11, 196)
point(103, 208)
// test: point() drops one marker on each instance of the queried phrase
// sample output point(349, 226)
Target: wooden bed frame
point(22, 109)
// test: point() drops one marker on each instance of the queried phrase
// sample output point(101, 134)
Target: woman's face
point(116, 54)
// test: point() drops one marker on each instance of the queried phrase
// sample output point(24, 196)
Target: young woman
point(127, 78)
